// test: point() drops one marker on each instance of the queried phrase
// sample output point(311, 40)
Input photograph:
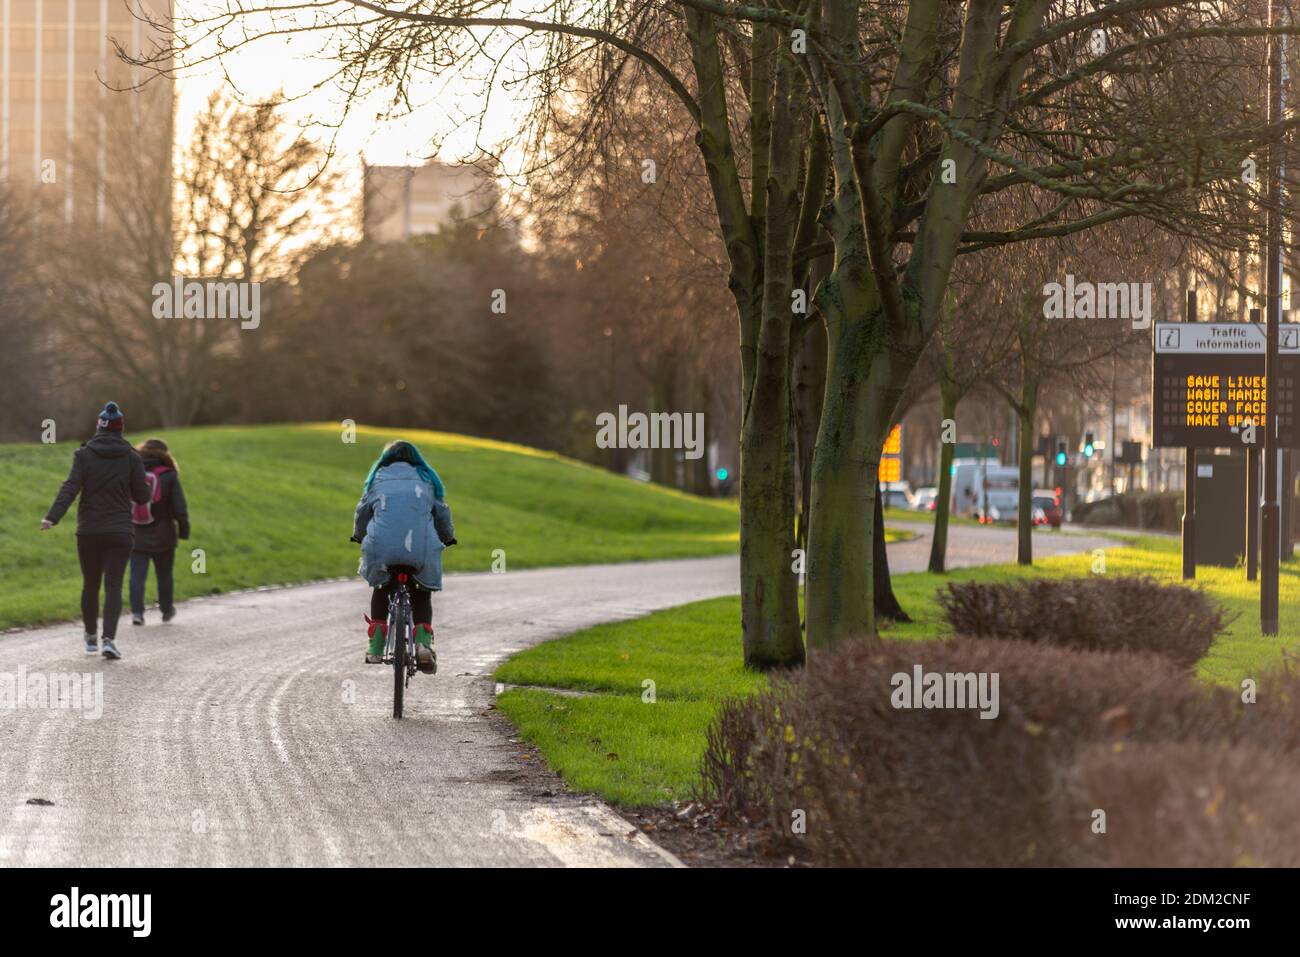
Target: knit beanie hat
point(111, 418)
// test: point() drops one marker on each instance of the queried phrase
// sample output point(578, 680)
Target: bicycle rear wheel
point(400, 627)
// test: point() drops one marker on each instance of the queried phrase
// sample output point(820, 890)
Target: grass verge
point(658, 679)
point(636, 753)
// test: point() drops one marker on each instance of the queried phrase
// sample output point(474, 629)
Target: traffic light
point(1088, 447)
point(1061, 455)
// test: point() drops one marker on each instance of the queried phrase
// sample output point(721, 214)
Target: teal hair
point(402, 451)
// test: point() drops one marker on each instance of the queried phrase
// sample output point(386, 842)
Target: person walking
point(109, 476)
point(159, 524)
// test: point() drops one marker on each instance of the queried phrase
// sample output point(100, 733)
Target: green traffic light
point(1060, 458)
point(722, 475)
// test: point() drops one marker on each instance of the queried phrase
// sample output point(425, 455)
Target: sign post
point(1252, 514)
point(1270, 515)
point(1189, 480)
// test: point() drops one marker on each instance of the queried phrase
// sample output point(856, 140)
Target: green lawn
point(634, 753)
point(634, 743)
point(273, 504)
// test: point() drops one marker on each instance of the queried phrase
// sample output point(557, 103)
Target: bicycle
point(399, 648)
point(399, 645)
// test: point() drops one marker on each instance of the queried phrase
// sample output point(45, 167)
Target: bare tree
point(1074, 354)
point(26, 398)
point(246, 200)
point(630, 210)
point(926, 114)
point(968, 346)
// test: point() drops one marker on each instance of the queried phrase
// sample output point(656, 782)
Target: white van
point(986, 490)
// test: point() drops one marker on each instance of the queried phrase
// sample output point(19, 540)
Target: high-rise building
point(61, 114)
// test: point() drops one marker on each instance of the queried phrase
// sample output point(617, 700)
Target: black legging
point(103, 560)
point(421, 603)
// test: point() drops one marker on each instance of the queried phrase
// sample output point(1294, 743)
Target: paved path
point(249, 732)
point(984, 545)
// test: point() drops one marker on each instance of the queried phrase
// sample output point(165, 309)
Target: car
point(898, 495)
point(926, 499)
point(1001, 512)
point(1046, 509)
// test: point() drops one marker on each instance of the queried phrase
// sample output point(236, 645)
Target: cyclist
point(402, 519)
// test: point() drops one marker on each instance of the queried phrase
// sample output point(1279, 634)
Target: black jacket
point(109, 475)
point(169, 513)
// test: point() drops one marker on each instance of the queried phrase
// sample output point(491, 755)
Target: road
point(984, 545)
point(248, 732)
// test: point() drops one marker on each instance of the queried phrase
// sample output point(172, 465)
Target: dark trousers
point(162, 563)
point(421, 603)
point(103, 561)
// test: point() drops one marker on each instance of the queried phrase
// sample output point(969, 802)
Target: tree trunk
point(886, 601)
point(939, 541)
point(697, 470)
point(809, 391)
point(769, 586)
point(761, 277)
point(1026, 412)
point(840, 595)
point(663, 461)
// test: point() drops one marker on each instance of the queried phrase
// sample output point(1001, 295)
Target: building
point(404, 201)
point(59, 121)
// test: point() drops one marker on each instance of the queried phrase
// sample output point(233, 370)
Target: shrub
point(1102, 513)
point(1094, 614)
point(1186, 805)
point(1162, 511)
point(880, 786)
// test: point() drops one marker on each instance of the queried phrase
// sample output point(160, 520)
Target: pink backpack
point(143, 514)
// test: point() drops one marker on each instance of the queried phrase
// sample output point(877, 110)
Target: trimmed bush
point(875, 785)
point(1093, 614)
point(1187, 805)
point(827, 766)
point(1161, 511)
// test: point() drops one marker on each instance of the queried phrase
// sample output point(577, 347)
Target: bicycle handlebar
point(445, 544)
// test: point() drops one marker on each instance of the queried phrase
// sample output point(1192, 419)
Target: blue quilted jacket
point(399, 521)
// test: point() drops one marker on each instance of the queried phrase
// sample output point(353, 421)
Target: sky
point(294, 65)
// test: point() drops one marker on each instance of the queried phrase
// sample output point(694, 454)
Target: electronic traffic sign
point(1207, 383)
point(891, 462)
